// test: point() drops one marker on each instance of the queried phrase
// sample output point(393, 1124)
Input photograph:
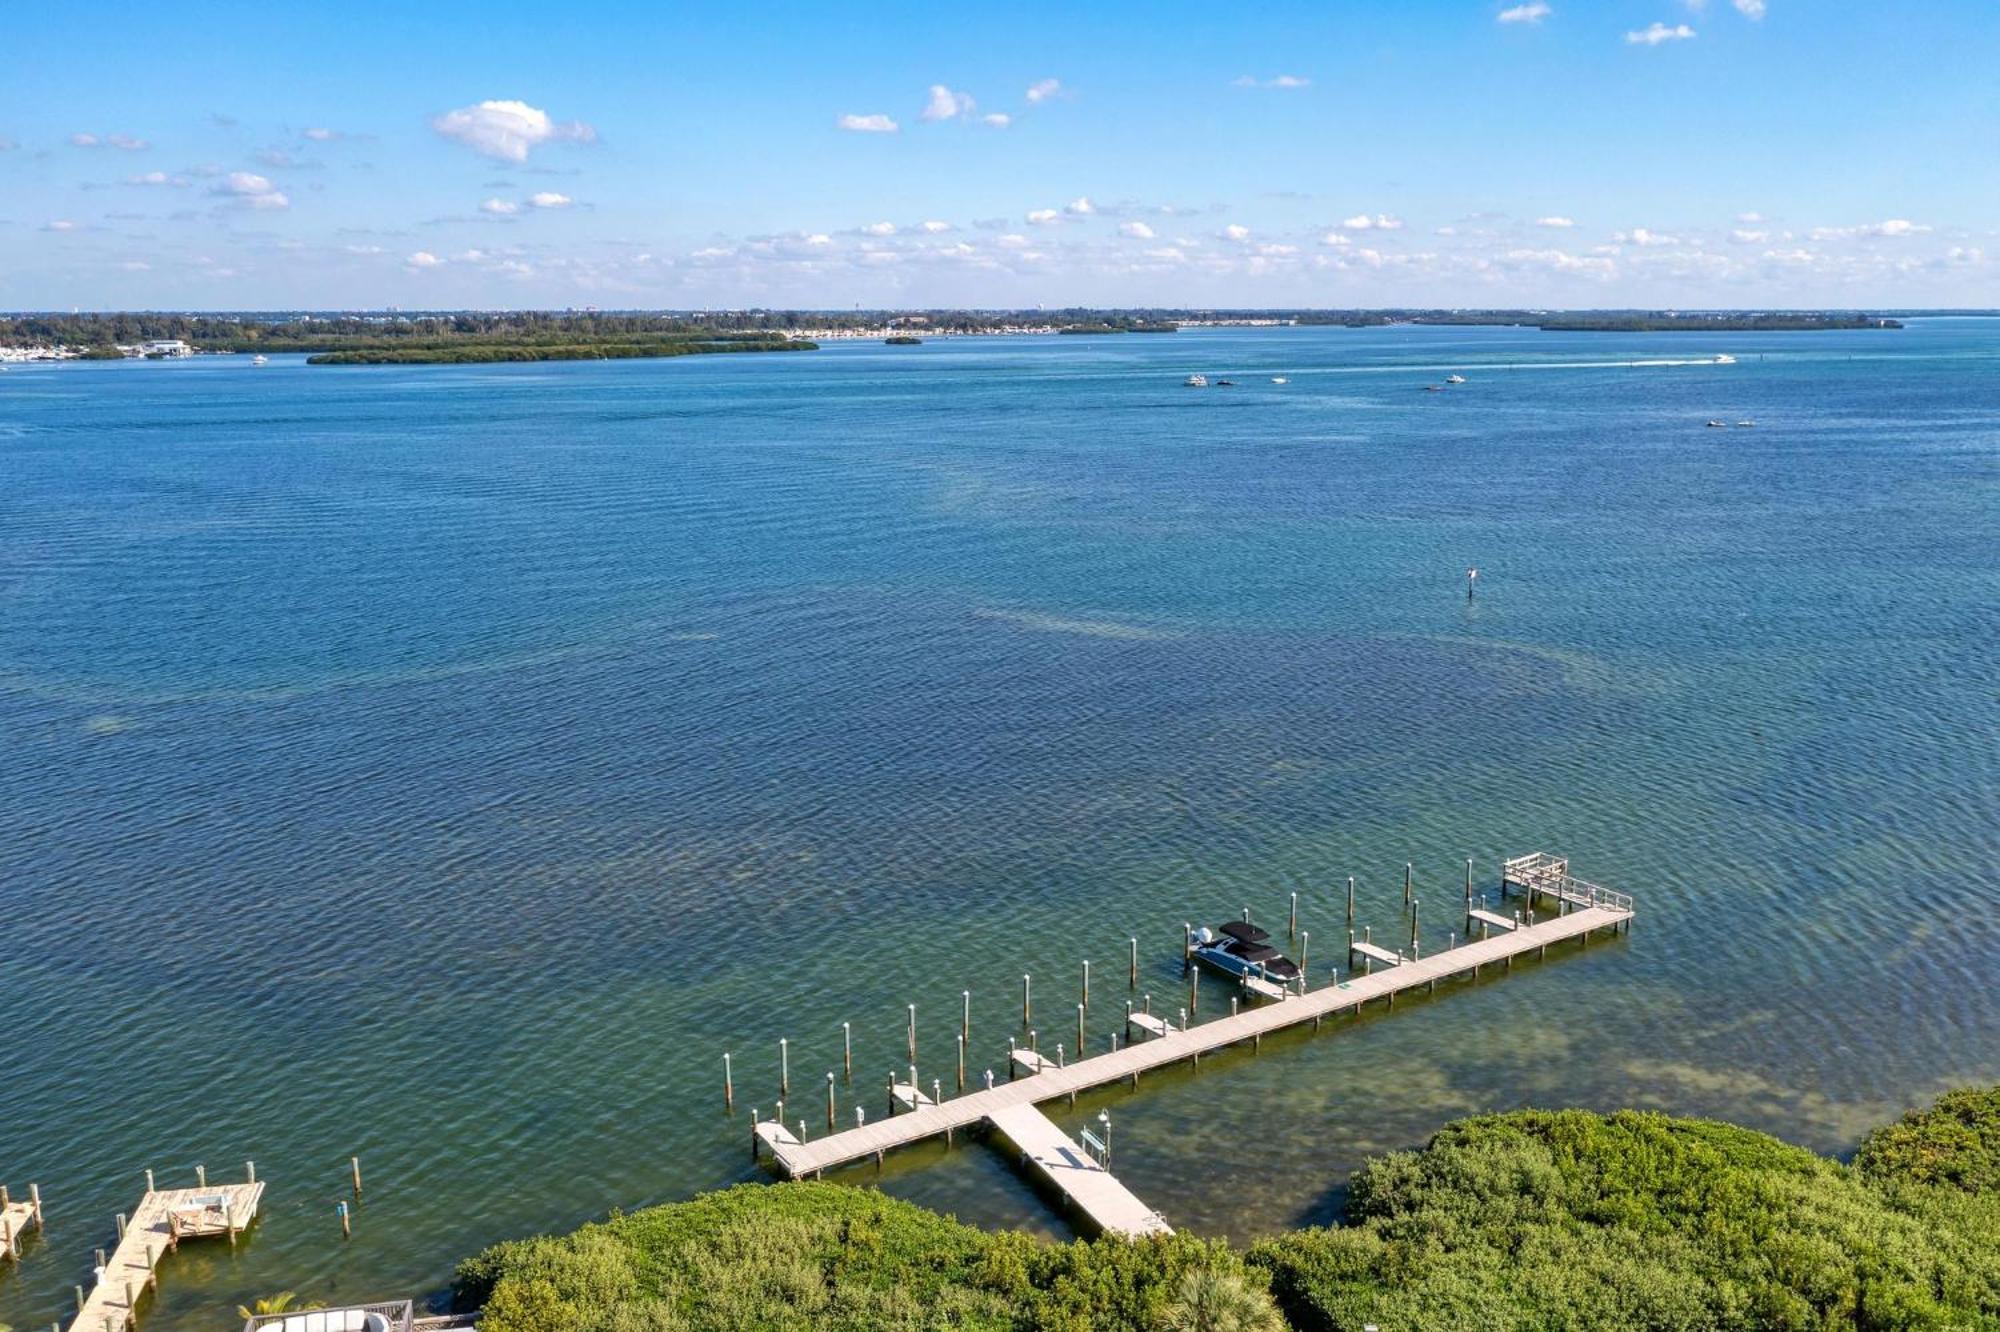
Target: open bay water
point(447, 764)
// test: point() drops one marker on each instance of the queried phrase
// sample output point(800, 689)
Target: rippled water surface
point(446, 765)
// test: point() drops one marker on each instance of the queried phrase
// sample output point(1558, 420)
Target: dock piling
point(1293, 932)
point(913, 1030)
point(847, 1051)
point(1086, 982)
point(346, 1221)
point(1406, 883)
point(201, 1177)
point(965, 1015)
point(829, 1100)
point(354, 1170)
point(961, 1063)
point(1027, 998)
point(1305, 948)
point(1135, 963)
point(784, 1067)
point(1350, 904)
point(728, 1084)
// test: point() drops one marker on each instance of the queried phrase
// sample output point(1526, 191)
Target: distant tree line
point(301, 332)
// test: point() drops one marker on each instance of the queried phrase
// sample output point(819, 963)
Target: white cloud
point(251, 189)
point(321, 134)
point(1560, 261)
point(1965, 254)
point(59, 224)
point(1335, 238)
point(549, 199)
point(1533, 12)
point(507, 129)
point(1013, 241)
point(879, 229)
point(875, 124)
point(1750, 9)
point(1379, 222)
point(1743, 236)
point(124, 142)
point(1043, 217)
point(1641, 236)
point(819, 240)
point(946, 104)
point(1136, 231)
point(1749, 219)
point(500, 207)
point(1080, 207)
point(1277, 251)
point(1166, 254)
point(1659, 32)
point(1043, 90)
point(424, 259)
point(157, 178)
point(1275, 81)
point(934, 227)
point(1895, 228)
point(1560, 222)
point(997, 119)
point(1235, 232)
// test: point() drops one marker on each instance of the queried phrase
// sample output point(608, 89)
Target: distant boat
point(1225, 383)
point(1715, 425)
point(1197, 381)
point(1433, 388)
point(260, 359)
point(1746, 423)
point(1725, 359)
point(1454, 379)
point(1279, 379)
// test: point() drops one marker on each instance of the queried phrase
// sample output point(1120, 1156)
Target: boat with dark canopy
point(1241, 950)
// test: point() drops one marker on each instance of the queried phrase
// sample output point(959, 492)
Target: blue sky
point(1570, 153)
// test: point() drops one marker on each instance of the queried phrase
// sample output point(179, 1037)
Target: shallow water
point(448, 764)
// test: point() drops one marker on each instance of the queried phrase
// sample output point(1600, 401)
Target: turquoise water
point(448, 764)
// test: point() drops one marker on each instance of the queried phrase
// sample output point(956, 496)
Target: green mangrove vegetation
point(1539, 1219)
point(476, 352)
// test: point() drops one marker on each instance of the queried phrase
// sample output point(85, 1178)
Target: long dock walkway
point(1084, 1183)
point(162, 1220)
point(800, 1158)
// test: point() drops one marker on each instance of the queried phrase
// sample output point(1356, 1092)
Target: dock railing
point(397, 1316)
point(1540, 872)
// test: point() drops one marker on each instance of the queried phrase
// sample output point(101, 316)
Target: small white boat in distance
point(1716, 425)
point(1725, 359)
point(1742, 424)
point(260, 359)
point(1454, 379)
point(1279, 379)
point(1197, 381)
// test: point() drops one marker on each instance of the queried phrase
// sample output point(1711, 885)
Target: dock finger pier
point(1078, 1169)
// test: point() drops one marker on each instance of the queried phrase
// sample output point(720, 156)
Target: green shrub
point(1955, 1143)
point(1631, 1221)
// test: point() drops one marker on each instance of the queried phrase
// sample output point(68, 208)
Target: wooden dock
point(17, 1219)
point(1039, 1080)
point(163, 1218)
point(1084, 1183)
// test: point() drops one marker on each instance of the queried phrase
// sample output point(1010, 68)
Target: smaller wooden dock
point(1490, 919)
point(17, 1219)
point(1084, 1183)
point(163, 1218)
